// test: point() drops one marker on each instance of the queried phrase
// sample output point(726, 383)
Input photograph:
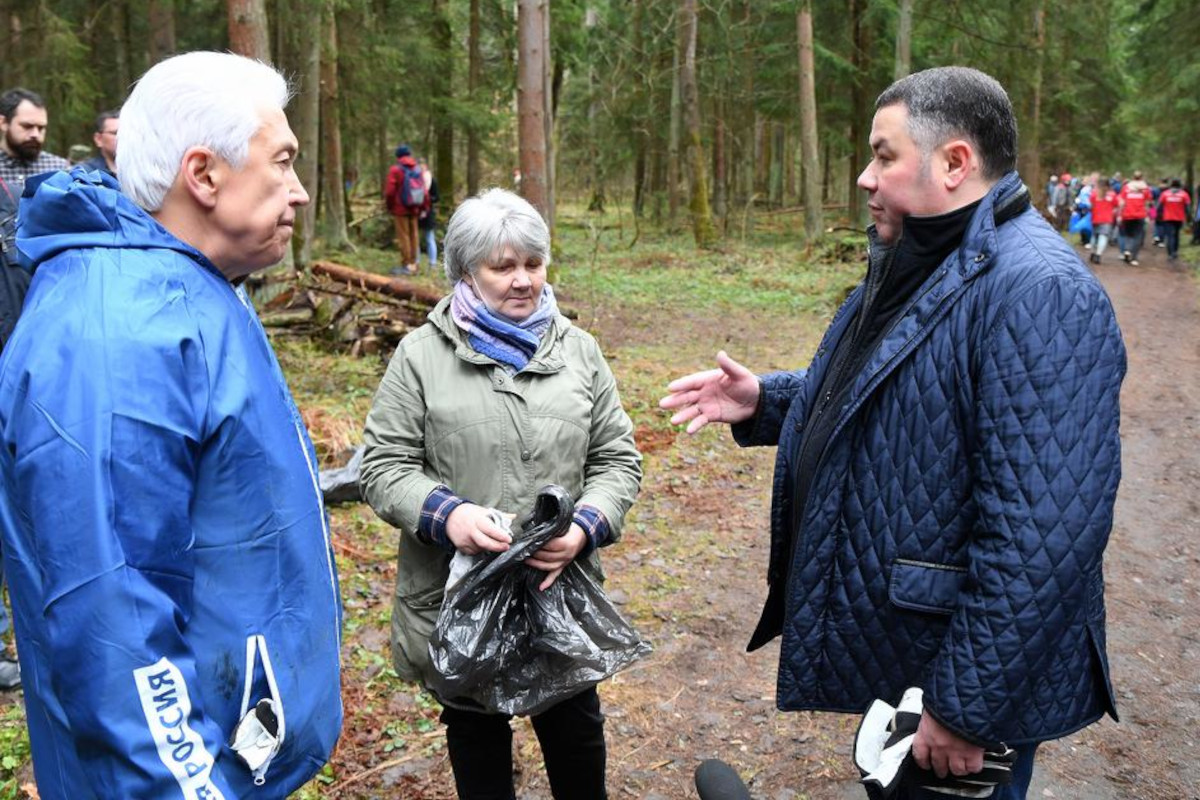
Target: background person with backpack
point(405, 196)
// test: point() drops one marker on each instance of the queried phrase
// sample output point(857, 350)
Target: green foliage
point(14, 750)
point(1117, 91)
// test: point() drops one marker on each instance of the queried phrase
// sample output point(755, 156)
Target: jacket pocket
point(924, 586)
point(262, 725)
point(413, 619)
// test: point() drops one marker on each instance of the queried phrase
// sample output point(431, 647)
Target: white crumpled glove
point(883, 749)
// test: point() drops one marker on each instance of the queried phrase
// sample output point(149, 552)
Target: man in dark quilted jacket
point(948, 461)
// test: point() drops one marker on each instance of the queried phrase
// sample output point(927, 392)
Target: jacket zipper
point(842, 424)
point(844, 357)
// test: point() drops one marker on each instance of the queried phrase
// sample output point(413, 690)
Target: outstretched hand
point(728, 394)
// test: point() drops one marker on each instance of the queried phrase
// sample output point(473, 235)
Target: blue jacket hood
point(62, 211)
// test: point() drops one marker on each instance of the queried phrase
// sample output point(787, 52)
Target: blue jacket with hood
point(953, 534)
point(165, 541)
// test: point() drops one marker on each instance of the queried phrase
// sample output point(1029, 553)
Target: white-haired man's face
point(255, 208)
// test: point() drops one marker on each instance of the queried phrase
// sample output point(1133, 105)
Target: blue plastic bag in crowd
point(1080, 222)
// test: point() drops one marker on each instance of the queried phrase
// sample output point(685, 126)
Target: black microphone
point(716, 780)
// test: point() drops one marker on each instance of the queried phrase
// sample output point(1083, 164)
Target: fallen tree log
point(394, 287)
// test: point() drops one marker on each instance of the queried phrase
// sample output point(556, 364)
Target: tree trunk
point(814, 222)
point(474, 74)
point(304, 35)
point(394, 287)
point(1031, 160)
point(333, 200)
point(643, 94)
point(248, 29)
point(747, 63)
point(595, 165)
point(531, 102)
point(443, 90)
point(552, 83)
point(118, 42)
point(859, 117)
point(762, 154)
point(720, 189)
point(702, 224)
point(826, 177)
point(161, 15)
point(673, 168)
point(904, 40)
point(775, 186)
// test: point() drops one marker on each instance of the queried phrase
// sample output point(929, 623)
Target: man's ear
point(960, 162)
point(201, 175)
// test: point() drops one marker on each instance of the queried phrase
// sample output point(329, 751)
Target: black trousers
point(571, 735)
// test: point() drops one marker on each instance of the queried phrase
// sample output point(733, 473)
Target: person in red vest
point(1135, 202)
point(1104, 209)
point(1174, 202)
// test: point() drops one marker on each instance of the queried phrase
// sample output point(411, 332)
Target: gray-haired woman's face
point(510, 284)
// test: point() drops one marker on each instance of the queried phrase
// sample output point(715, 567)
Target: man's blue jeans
point(1022, 774)
point(1170, 231)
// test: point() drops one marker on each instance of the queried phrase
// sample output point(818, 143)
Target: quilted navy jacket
point(953, 535)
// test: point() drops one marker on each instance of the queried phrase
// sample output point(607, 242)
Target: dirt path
point(691, 571)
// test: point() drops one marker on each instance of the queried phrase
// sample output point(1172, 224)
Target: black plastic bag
point(501, 643)
point(340, 485)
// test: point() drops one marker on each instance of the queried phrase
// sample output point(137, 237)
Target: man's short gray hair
point(484, 225)
point(213, 100)
point(958, 102)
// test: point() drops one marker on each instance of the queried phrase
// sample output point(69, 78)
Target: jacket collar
point(1007, 198)
point(548, 358)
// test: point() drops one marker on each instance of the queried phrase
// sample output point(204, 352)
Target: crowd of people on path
point(946, 464)
point(1104, 210)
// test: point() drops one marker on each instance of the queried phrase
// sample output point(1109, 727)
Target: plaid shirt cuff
point(594, 525)
point(436, 510)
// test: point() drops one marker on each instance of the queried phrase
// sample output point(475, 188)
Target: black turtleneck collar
point(931, 239)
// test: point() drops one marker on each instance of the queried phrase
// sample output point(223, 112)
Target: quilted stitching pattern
point(989, 447)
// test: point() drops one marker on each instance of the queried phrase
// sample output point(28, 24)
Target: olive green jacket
point(445, 414)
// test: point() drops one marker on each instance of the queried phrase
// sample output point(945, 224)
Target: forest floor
point(690, 569)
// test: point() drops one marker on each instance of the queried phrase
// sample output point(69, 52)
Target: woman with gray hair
point(494, 397)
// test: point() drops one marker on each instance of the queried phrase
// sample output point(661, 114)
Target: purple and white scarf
point(495, 335)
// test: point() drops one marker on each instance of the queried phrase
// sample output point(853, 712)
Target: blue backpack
point(411, 192)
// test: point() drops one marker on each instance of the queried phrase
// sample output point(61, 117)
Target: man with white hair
point(177, 607)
